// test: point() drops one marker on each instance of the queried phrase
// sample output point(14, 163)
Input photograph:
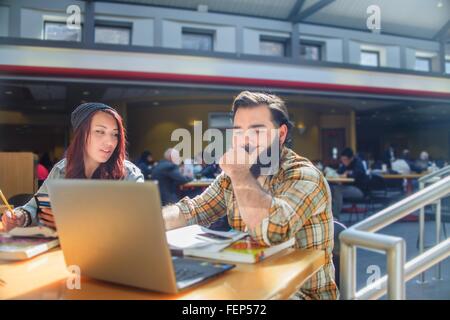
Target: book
point(21, 248)
point(191, 237)
point(35, 232)
point(42, 200)
point(244, 251)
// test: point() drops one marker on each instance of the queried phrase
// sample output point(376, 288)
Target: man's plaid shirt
point(301, 208)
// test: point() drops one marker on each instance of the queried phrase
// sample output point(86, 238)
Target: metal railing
point(363, 235)
point(423, 181)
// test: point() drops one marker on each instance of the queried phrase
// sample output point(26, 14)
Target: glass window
point(310, 51)
point(272, 48)
point(60, 31)
point(423, 64)
point(447, 66)
point(370, 58)
point(197, 41)
point(112, 35)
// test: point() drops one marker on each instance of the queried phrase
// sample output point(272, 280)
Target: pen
point(6, 203)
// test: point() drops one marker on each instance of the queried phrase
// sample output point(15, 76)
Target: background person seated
point(167, 173)
point(146, 163)
point(351, 167)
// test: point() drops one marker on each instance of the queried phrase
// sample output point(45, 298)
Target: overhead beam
point(89, 22)
point(311, 10)
point(442, 33)
point(297, 8)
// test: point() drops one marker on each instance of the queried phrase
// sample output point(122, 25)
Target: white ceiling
point(415, 18)
point(418, 18)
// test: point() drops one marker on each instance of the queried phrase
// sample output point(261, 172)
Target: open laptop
point(114, 231)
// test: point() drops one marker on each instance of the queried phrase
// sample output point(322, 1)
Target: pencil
point(6, 203)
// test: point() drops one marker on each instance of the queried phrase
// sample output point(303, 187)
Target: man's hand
point(236, 162)
point(173, 218)
point(344, 175)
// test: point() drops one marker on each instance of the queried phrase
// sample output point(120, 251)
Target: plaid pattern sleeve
point(301, 208)
point(301, 195)
point(207, 207)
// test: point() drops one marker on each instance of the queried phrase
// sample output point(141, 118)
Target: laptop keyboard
point(189, 271)
point(182, 273)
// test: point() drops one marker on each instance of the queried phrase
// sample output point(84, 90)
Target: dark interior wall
point(432, 137)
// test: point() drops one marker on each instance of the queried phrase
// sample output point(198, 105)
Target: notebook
point(190, 237)
point(35, 232)
point(244, 251)
point(14, 248)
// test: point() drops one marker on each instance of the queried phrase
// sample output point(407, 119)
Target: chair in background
point(377, 191)
point(338, 228)
point(20, 199)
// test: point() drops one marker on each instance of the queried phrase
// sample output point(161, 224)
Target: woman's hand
point(46, 218)
point(11, 221)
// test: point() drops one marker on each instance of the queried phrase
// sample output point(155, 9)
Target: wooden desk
point(197, 184)
point(45, 277)
point(402, 176)
point(340, 180)
point(409, 179)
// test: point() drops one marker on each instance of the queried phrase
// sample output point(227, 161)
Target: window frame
point(378, 54)
point(197, 31)
point(312, 43)
point(117, 25)
point(284, 41)
point(45, 22)
point(428, 59)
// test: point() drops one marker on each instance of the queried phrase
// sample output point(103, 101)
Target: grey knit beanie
point(83, 111)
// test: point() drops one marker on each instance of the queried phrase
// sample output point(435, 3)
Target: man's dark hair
point(277, 107)
point(347, 152)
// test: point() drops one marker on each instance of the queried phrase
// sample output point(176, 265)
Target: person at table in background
point(97, 151)
point(145, 164)
point(167, 173)
point(389, 156)
point(363, 159)
point(211, 168)
point(351, 167)
point(423, 163)
point(401, 164)
point(273, 201)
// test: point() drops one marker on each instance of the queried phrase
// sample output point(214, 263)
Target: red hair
point(113, 169)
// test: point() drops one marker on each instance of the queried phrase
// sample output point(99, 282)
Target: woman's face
point(103, 137)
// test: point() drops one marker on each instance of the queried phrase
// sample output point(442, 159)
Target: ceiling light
point(8, 92)
point(156, 103)
point(440, 4)
point(86, 93)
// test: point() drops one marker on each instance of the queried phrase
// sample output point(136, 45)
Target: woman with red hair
point(97, 151)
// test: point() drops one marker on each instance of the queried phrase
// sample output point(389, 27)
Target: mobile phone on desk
point(213, 237)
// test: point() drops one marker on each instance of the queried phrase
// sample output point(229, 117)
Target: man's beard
point(265, 167)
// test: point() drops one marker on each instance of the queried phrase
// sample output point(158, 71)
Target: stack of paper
point(188, 238)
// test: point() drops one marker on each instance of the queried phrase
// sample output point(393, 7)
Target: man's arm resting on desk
point(204, 209)
point(173, 218)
